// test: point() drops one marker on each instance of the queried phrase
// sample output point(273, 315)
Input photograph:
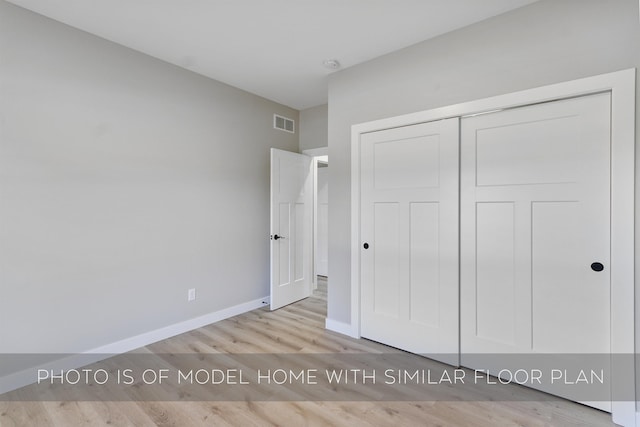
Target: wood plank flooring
point(297, 328)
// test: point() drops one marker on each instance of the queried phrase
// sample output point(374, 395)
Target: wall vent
point(284, 124)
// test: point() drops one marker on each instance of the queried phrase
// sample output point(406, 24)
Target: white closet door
point(409, 232)
point(535, 184)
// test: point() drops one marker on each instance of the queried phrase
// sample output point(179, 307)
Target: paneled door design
point(535, 231)
point(409, 232)
point(291, 227)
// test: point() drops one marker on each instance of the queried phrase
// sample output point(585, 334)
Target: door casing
point(318, 155)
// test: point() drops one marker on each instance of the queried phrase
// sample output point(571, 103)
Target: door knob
point(366, 246)
point(596, 266)
point(276, 237)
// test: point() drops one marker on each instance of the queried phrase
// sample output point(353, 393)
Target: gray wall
point(547, 42)
point(314, 127)
point(124, 181)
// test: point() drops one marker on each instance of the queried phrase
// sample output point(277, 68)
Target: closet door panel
point(535, 233)
point(409, 232)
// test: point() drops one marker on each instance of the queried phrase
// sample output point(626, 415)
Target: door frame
point(621, 85)
point(318, 155)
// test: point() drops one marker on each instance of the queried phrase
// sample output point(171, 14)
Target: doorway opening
point(320, 160)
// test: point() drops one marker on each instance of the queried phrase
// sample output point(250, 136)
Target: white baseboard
point(151, 337)
point(340, 327)
point(29, 376)
point(624, 414)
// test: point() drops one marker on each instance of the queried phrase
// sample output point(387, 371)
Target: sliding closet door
point(535, 231)
point(409, 233)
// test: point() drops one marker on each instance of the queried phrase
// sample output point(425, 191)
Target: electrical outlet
point(191, 294)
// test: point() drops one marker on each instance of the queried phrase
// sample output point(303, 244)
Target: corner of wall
point(341, 328)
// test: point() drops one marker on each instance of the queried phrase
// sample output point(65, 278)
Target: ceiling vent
point(284, 124)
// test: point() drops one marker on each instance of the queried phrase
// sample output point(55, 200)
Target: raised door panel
point(535, 194)
point(292, 223)
point(409, 204)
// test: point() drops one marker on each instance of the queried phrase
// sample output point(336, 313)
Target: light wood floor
point(292, 329)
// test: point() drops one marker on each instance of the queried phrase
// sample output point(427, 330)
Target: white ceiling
point(273, 48)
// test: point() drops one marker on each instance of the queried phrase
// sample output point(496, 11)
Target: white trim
point(623, 102)
point(318, 155)
point(314, 243)
point(340, 327)
point(28, 376)
point(316, 152)
point(621, 84)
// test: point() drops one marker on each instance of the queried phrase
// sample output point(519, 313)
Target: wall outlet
point(191, 294)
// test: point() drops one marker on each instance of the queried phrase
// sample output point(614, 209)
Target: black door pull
point(276, 237)
point(596, 266)
point(366, 246)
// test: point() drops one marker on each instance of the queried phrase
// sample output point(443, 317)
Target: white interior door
point(291, 227)
point(535, 216)
point(409, 233)
point(322, 245)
